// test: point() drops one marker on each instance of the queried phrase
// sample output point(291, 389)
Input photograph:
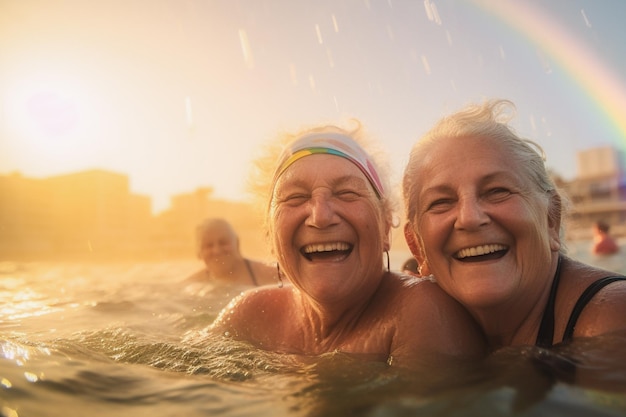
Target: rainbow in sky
point(587, 70)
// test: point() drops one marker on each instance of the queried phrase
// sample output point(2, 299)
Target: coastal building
point(93, 214)
point(89, 213)
point(597, 193)
point(174, 228)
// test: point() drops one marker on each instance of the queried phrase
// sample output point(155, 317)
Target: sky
point(180, 94)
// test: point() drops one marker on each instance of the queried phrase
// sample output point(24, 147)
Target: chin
point(485, 296)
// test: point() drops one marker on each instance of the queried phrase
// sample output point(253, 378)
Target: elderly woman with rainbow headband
point(485, 218)
point(328, 217)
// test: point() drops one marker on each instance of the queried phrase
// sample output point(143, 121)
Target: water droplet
point(8, 412)
point(312, 82)
point(319, 34)
point(431, 12)
point(426, 64)
point(582, 12)
point(30, 377)
point(245, 48)
point(335, 25)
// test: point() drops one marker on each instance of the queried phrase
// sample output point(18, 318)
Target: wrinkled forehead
point(451, 160)
point(459, 149)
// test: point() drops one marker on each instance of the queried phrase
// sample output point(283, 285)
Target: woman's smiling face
point(327, 226)
point(481, 224)
point(219, 246)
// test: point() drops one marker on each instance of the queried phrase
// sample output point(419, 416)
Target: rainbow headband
point(330, 144)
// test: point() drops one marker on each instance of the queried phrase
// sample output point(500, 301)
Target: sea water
point(94, 339)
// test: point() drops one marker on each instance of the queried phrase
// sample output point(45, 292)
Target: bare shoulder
point(430, 322)
point(605, 312)
point(249, 315)
point(253, 303)
point(425, 295)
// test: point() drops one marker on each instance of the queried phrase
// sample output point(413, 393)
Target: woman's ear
point(413, 243)
point(555, 210)
point(415, 247)
point(411, 239)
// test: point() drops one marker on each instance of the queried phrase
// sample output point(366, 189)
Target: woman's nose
point(213, 250)
point(321, 211)
point(470, 214)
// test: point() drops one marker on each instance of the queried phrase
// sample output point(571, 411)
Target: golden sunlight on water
point(75, 335)
point(19, 301)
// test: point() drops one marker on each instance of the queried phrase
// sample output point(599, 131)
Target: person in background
point(603, 243)
point(485, 218)
point(329, 213)
point(410, 266)
point(217, 245)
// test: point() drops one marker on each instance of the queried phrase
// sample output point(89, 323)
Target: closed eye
point(498, 194)
point(294, 199)
point(348, 195)
point(440, 205)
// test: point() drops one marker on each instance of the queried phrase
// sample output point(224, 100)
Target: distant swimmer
point(410, 266)
point(603, 243)
point(217, 245)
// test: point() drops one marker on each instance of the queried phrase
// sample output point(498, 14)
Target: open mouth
point(481, 253)
point(332, 251)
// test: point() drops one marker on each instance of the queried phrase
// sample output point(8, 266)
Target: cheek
point(534, 221)
point(430, 232)
point(281, 229)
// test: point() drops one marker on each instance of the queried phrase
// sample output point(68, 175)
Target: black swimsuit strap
point(584, 300)
point(251, 272)
point(546, 328)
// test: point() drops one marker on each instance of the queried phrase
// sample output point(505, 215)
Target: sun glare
point(46, 120)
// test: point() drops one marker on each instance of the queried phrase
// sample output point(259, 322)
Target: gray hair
point(211, 223)
point(489, 119)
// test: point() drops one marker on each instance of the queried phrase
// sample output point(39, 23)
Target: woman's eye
point(347, 194)
point(294, 199)
point(498, 193)
point(440, 204)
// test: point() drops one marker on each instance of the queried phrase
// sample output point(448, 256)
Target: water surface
point(81, 339)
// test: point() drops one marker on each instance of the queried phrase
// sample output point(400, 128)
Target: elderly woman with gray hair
point(329, 215)
point(485, 218)
point(217, 245)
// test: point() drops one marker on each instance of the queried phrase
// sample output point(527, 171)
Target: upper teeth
point(479, 250)
point(326, 247)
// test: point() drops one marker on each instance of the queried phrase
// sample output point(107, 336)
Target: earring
point(279, 275)
point(387, 253)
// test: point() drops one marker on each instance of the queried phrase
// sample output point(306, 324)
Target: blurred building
point(93, 215)
point(85, 214)
point(598, 192)
point(174, 229)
